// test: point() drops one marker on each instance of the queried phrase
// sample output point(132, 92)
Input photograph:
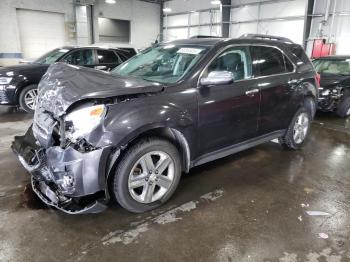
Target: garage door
point(40, 32)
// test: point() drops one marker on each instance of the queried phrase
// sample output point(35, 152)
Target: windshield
point(333, 66)
point(52, 56)
point(164, 64)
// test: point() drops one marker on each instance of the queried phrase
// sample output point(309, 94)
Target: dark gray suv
point(129, 134)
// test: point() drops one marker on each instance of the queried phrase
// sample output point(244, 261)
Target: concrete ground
point(258, 205)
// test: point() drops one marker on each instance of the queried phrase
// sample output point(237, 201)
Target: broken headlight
point(326, 92)
point(82, 121)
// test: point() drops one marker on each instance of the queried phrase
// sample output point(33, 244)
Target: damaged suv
point(131, 133)
point(335, 84)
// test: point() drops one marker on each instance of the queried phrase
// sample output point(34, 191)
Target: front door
point(228, 113)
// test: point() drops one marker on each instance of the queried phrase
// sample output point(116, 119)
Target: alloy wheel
point(30, 98)
point(301, 128)
point(151, 177)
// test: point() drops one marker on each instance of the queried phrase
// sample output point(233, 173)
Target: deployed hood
point(333, 80)
point(63, 85)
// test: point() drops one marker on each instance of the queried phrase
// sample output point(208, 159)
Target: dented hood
point(63, 85)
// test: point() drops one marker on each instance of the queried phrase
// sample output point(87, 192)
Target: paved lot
point(253, 206)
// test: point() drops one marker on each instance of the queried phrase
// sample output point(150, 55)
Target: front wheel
point(147, 175)
point(28, 98)
point(297, 131)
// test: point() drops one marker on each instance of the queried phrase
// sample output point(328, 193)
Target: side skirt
point(236, 148)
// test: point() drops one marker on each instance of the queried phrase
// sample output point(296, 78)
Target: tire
point(300, 123)
point(310, 106)
point(344, 108)
point(27, 98)
point(132, 177)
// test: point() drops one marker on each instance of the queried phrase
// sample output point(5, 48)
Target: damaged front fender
point(65, 178)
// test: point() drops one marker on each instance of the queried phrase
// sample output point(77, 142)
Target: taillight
point(318, 80)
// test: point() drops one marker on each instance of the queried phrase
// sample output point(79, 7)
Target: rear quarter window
point(300, 55)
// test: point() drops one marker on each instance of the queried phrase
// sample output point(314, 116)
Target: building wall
point(144, 19)
point(10, 48)
point(283, 18)
point(339, 33)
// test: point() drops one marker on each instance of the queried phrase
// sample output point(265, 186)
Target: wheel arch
point(172, 135)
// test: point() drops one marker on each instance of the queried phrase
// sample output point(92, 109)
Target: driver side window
point(236, 60)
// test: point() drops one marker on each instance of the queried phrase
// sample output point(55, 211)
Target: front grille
point(43, 126)
point(3, 97)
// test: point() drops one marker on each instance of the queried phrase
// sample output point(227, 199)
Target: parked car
point(19, 83)
point(335, 84)
point(129, 134)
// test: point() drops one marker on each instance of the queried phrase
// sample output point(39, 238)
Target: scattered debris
point(317, 213)
point(308, 190)
point(304, 205)
point(300, 218)
point(340, 243)
point(213, 195)
point(129, 236)
point(288, 257)
point(322, 235)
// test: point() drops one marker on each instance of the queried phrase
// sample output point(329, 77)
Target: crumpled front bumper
point(66, 179)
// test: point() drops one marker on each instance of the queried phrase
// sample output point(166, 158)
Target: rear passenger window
point(268, 60)
point(106, 57)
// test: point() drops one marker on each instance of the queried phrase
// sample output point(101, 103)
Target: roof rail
point(269, 37)
point(204, 36)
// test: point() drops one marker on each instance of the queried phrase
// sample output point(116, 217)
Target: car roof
point(335, 57)
point(216, 41)
point(96, 46)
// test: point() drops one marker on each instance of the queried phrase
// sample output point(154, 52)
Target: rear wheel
point(344, 108)
point(28, 98)
point(147, 175)
point(297, 131)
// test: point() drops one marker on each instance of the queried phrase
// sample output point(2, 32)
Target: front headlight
point(326, 92)
point(82, 121)
point(5, 80)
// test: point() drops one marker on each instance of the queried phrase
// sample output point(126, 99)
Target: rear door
point(228, 113)
point(106, 59)
point(277, 81)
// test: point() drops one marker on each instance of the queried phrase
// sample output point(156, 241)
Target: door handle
point(252, 92)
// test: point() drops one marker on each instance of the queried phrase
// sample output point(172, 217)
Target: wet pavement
point(264, 204)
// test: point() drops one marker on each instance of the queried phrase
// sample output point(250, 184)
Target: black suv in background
point(335, 84)
point(130, 133)
point(19, 83)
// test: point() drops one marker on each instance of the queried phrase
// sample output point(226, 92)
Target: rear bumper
point(66, 179)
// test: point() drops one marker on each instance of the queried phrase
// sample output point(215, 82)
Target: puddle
point(30, 200)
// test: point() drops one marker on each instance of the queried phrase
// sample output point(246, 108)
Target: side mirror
point(217, 78)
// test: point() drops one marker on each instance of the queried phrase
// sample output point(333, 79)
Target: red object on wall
point(321, 48)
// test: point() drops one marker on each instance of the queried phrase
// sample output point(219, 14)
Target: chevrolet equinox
point(130, 133)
